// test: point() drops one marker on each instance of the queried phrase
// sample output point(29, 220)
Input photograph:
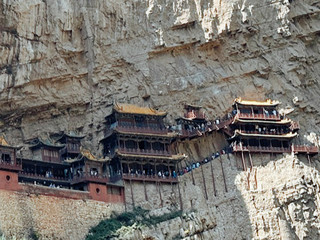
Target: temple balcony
point(149, 178)
point(223, 123)
point(305, 149)
point(135, 129)
point(149, 152)
point(259, 116)
point(4, 165)
point(263, 132)
point(261, 149)
point(31, 177)
point(85, 177)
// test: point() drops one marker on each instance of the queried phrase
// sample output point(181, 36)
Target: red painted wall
point(9, 180)
point(100, 192)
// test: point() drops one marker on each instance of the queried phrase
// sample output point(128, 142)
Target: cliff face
point(276, 199)
point(63, 63)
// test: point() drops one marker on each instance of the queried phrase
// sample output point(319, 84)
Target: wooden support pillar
point(145, 190)
point(161, 200)
point(255, 178)
point(132, 198)
point(250, 160)
point(244, 166)
point(224, 178)
point(261, 159)
point(193, 182)
point(181, 204)
point(124, 196)
point(213, 182)
point(309, 160)
point(204, 183)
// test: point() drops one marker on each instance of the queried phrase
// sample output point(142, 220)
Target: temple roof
point(134, 109)
point(268, 102)
point(86, 153)
point(37, 143)
point(4, 143)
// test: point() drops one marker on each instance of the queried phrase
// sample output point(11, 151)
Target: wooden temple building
point(257, 127)
point(193, 123)
point(140, 145)
point(60, 164)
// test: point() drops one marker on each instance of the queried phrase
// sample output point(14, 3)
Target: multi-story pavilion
point(258, 127)
point(46, 166)
point(139, 144)
point(193, 123)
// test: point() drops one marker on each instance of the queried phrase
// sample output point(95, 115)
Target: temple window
point(6, 157)
point(94, 172)
point(158, 146)
point(140, 121)
point(144, 145)
point(130, 144)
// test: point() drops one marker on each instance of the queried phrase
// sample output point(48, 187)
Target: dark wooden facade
point(257, 127)
point(139, 144)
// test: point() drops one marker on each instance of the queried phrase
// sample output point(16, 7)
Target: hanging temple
point(138, 146)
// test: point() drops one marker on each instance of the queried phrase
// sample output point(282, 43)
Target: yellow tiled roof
point(86, 153)
point(134, 109)
point(268, 102)
point(3, 141)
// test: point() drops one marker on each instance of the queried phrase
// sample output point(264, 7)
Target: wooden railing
point(148, 178)
point(136, 129)
point(223, 123)
point(261, 149)
point(293, 148)
point(35, 176)
point(259, 116)
point(263, 132)
point(144, 151)
point(85, 177)
point(10, 166)
point(305, 149)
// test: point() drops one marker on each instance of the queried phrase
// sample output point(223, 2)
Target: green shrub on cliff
point(107, 228)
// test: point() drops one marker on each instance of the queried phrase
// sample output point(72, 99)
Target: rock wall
point(63, 63)
point(23, 214)
point(278, 199)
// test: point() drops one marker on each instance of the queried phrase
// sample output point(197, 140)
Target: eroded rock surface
point(63, 63)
